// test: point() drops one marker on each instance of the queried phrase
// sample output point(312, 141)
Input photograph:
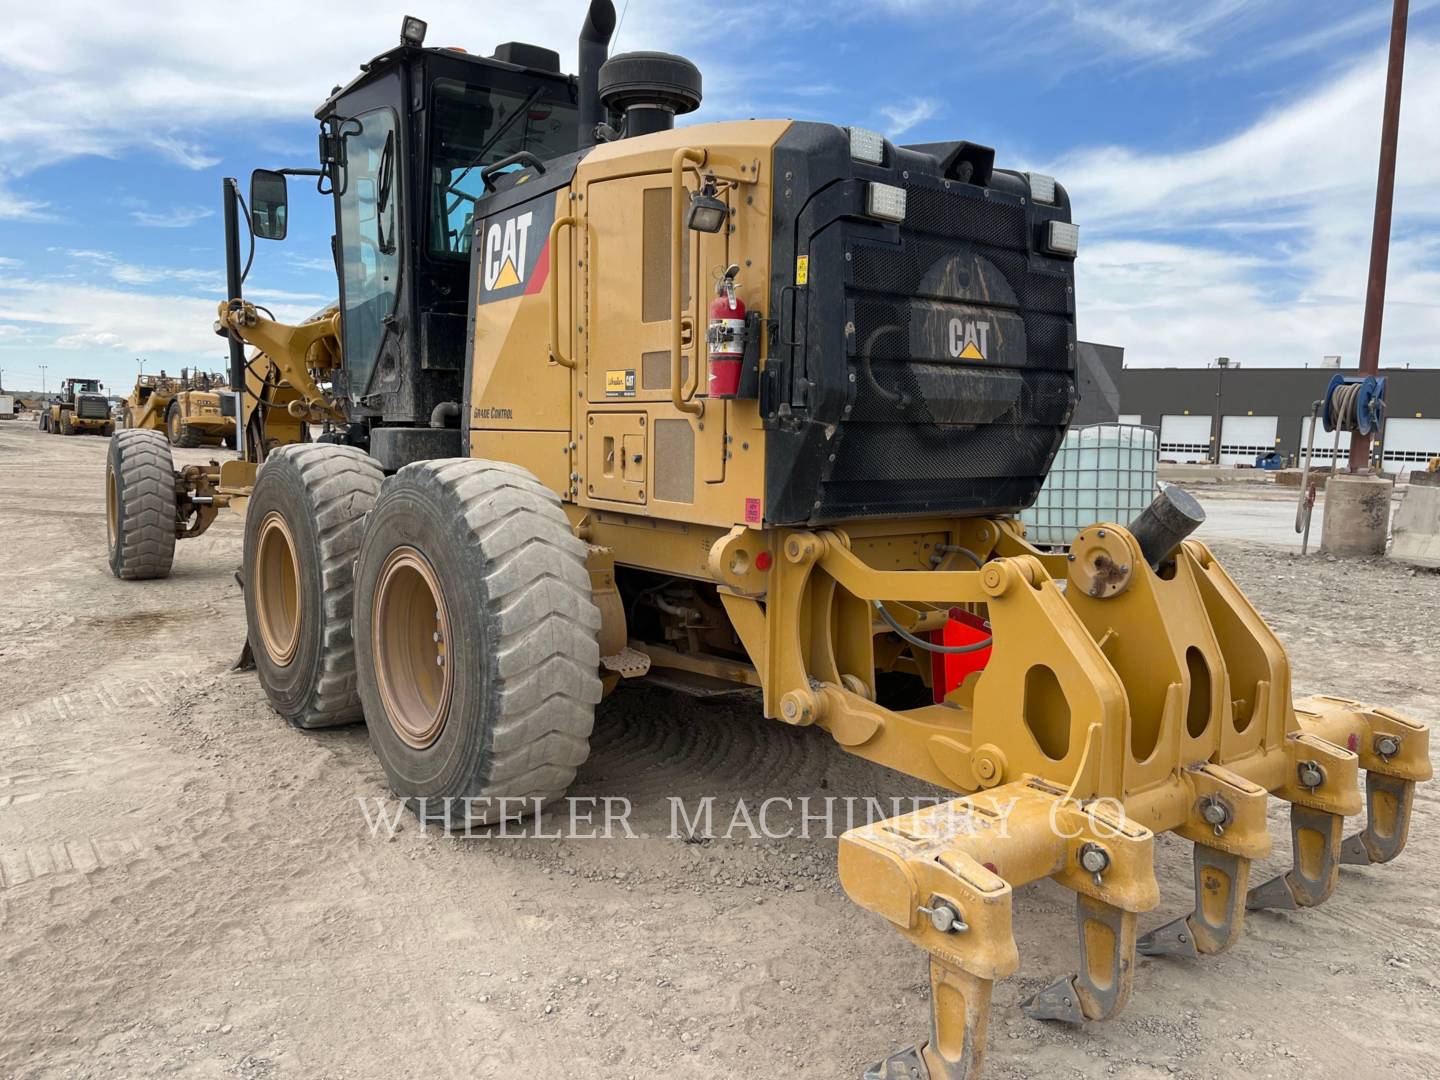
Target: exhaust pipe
point(594, 47)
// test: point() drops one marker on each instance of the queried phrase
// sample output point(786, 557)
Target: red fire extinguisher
point(726, 337)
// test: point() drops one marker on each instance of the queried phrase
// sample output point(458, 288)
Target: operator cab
point(75, 387)
point(407, 150)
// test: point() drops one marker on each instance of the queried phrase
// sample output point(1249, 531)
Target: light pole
point(42, 379)
point(141, 362)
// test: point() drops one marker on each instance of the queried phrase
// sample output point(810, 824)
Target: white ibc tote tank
point(1104, 472)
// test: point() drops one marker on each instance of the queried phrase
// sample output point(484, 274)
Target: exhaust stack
point(594, 46)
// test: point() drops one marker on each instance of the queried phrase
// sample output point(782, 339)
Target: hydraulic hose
point(920, 643)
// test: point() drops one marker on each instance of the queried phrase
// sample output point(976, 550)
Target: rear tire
point(180, 433)
point(140, 505)
point(44, 422)
point(302, 529)
point(474, 563)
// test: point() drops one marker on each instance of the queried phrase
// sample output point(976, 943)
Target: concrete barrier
point(1417, 523)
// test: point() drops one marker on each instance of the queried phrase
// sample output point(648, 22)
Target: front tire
point(140, 505)
point(180, 432)
point(67, 424)
point(302, 530)
point(476, 639)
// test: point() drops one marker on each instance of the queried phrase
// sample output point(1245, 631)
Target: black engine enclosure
point(870, 409)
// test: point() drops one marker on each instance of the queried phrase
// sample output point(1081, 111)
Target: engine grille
point(89, 408)
point(927, 430)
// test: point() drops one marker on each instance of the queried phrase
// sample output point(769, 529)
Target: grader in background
point(80, 408)
point(750, 403)
point(195, 409)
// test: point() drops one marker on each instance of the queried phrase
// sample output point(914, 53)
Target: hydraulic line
point(920, 643)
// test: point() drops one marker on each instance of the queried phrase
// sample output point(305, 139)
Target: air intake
point(650, 89)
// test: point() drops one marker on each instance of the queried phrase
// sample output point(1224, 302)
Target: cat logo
point(506, 246)
point(969, 339)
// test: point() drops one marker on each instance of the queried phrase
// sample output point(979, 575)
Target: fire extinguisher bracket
point(749, 388)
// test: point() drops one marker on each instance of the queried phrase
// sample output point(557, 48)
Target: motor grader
point(748, 403)
point(194, 409)
point(81, 408)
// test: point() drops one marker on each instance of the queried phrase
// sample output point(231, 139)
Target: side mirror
point(268, 204)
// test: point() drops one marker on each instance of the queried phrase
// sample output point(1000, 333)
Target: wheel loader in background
point(751, 403)
point(79, 409)
point(195, 409)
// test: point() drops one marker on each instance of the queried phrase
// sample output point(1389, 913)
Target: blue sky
point(1220, 154)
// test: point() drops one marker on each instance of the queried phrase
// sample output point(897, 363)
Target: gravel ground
point(187, 886)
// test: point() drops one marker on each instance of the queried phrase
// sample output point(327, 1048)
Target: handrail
point(552, 290)
point(678, 395)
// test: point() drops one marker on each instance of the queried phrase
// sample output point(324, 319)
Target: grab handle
point(680, 395)
point(552, 291)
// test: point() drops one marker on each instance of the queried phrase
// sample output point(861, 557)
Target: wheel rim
point(410, 631)
point(112, 506)
point(277, 589)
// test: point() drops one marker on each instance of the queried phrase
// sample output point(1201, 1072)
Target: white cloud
point(904, 117)
point(179, 217)
point(90, 339)
point(167, 323)
point(112, 80)
point(17, 207)
point(1146, 31)
point(1257, 246)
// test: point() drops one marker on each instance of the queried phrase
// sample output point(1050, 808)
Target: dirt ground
point(188, 886)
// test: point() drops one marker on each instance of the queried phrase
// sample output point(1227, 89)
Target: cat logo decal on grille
point(969, 339)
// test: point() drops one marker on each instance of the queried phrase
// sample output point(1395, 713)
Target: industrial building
point(1229, 414)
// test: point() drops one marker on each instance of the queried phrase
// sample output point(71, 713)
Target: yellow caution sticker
point(802, 270)
point(620, 382)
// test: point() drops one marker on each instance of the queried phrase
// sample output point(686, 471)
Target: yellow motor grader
point(755, 403)
point(194, 409)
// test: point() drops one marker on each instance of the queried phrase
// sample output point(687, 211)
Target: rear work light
point(1042, 188)
point(885, 201)
point(867, 146)
point(1062, 238)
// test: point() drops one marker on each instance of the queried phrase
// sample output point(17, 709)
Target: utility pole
point(1380, 237)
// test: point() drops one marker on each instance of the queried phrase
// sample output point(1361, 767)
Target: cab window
point(473, 127)
point(369, 219)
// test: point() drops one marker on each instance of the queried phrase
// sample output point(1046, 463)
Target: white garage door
point(1185, 438)
point(1243, 438)
point(1409, 444)
point(1325, 451)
